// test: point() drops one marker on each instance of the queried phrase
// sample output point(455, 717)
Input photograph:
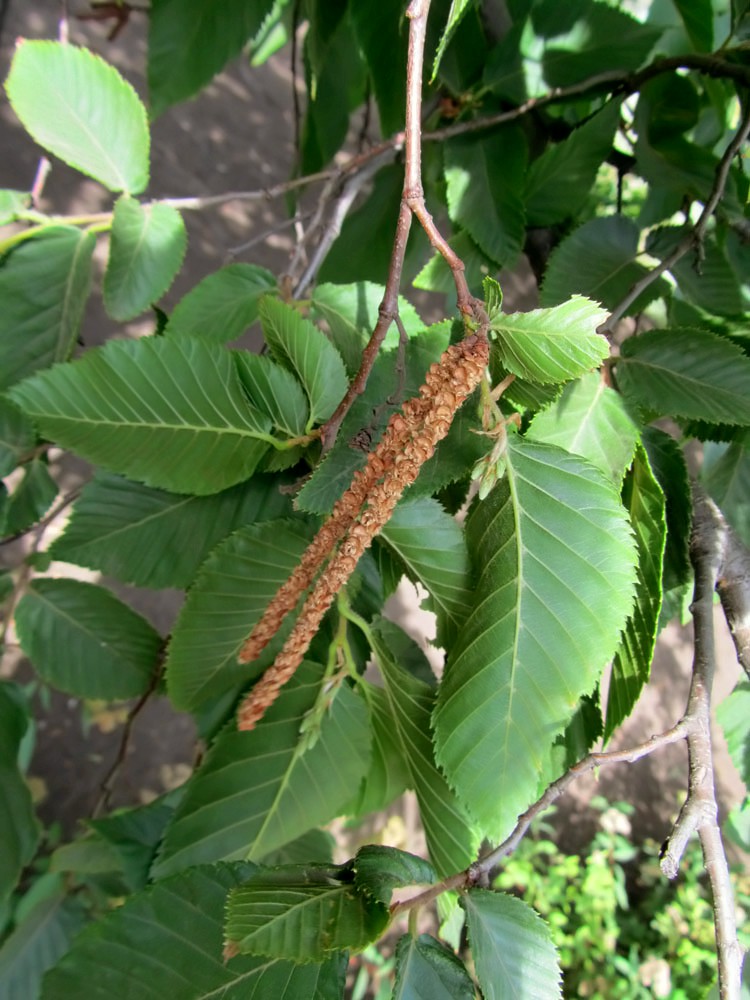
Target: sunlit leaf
point(512, 948)
point(726, 476)
point(85, 641)
point(590, 420)
point(552, 345)
point(222, 306)
point(79, 108)
point(146, 250)
point(169, 412)
point(555, 571)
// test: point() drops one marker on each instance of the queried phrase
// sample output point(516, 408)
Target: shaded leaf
point(430, 545)
point(387, 776)
point(152, 538)
point(44, 284)
point(427, 970)
point(378, 870)
point(85, 641)
point(686, 373)
point(668, 464)
point(610, 248)
point(307, 352)
point(222, 306)
point(560, 180)
point(711, 283)
point(259, 790)
point(79, 108)
point(485, 178)
point(451, 840)
point(552, 345)
point(169, 412)
point(301, 912)
point(512, 948)
point(275, 391)
point(726, 476)
point(19, 830)
point(192, 40)
point(231, 592)
point(167, 941)
point(590, 420)
point(382, 33)
point(315, 845)
point(555, 566)
point(147, 247)
point(698, 18)
point(16, 436)
point(37, 943)
point(30, 500)
point(644, 501)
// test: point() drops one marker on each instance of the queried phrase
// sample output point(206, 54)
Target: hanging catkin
point(409, 441)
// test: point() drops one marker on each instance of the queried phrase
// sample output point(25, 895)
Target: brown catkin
point(447, 385)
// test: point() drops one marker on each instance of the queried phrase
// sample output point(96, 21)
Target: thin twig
point(694, 236)
point(108, 781)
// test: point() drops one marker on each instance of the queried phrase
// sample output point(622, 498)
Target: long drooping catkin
point(409, 441)
point(401, 427)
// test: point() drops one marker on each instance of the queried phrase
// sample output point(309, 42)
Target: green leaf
point(16, 436)
point(44, 285)
point(152, 538)
point(733, 715)
point(485, 178)
point(30, 500)
point(133, 835)
point(436, 276)
point(315, 845)
point(726, 476)
point(259, 790)
point(644, 501)
point(710, 284)
point(19, 830)
point(79, 108)
point(167, 942)
point(89, 855)
point(431, 546)
point(698, 18)
point(427, 970)
point(451, 840)
point(555, 568)
point(37, 943)
point(388, 775)
point(552, 345)
point(192, 40)
point(147, 247)
point(610, 248)
point(231, 592)
point(512, 948)
point(85, 641)
point(274, 391)
point(457, 11)
point(590, 419)
point(222, 306)
point(307, 352)
point(686, 373)
point(302, 913)
point(559, 182)
point(378, 870)
point(382, 32)
point(169, 412)
point(11, 203)
point(668, 464)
